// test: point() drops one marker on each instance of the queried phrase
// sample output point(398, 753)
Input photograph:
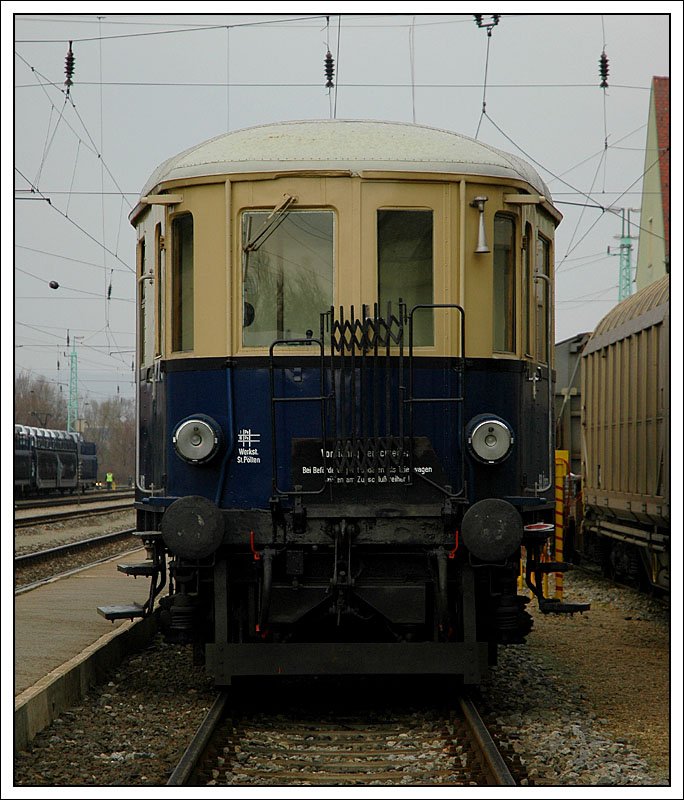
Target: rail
point(291, 750)
point(54, 556)
point(24, 520)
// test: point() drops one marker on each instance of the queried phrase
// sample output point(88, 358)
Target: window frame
point(240, 294)
point(382, 304)
point(509, 311)
point(182, 328)
point(526, 286)
point(542, 293)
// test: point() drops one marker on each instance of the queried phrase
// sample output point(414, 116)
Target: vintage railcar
point(345, 399)
point(625, 369)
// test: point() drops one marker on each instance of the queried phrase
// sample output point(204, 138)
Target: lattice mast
point(72, 405)
point(625, 254)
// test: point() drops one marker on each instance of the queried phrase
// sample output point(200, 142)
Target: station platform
point(62, 646)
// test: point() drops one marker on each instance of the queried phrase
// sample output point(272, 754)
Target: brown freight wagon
point(626, 437)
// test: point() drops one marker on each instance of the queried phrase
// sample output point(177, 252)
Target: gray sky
point(147, 86)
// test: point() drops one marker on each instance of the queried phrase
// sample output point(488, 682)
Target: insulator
point(329, 70)
point(69, 67)
point(494, 21)
point(603, 70)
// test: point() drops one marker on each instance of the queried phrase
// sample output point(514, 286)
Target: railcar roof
point(636, 306)
point(344, 145)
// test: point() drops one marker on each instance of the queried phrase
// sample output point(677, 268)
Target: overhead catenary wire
point(478, 20)
point(291, 22)
point(486, 88)
point(612, 209)
point(584, 208)
point(63, 257)
point(311, 85)
point(412, 60)
point(73, 222)
point(48, 141)
point(92, 146)
point(73, 176)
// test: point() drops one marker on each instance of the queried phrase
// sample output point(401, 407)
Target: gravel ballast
point(570, 704)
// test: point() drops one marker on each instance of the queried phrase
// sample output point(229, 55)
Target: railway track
point(29, 516)
point(33, 569)
point(72, 499)
point(447, 748)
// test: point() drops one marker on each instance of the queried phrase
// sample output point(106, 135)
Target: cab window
point(405, 266)
point(287, 274)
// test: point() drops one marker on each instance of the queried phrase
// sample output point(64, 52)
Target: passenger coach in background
point(48, 460)
point(345, 399)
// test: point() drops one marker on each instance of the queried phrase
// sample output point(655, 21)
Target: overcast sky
point(146, 86)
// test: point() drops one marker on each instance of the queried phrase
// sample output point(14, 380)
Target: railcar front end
point(345, 389)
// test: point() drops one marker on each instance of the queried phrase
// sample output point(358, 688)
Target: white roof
point(343, 145)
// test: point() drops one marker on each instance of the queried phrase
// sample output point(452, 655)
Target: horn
point(482, 247)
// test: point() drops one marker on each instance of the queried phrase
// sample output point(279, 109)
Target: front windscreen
point(287, 278)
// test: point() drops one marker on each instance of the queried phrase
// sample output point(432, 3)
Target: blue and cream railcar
point(345, 398)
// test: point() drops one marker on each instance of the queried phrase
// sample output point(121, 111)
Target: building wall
point(654, 236)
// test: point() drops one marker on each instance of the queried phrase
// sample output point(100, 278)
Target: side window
point(542, 300)
point(159, 281)
point(287, 274)
point(503, 307)
point(527, 269)
point(182, 303)
point(146, 306)
point(143, 301)
point(405, 266)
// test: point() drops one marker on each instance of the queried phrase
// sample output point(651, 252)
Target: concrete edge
point(36, 707)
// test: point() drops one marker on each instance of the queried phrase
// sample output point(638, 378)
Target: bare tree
point(110, 423)
point(38, 402)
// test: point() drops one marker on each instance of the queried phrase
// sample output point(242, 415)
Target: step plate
point(145, 569)
point(121, 612)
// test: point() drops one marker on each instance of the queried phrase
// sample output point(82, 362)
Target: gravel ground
point(35, 539)
point(42, 537)
point(586, 701)
point(572, 704)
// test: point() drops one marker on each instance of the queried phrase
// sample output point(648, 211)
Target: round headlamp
point(490, 439)
point(197, 439)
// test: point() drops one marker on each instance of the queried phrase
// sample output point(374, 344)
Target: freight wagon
point(625, 369)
